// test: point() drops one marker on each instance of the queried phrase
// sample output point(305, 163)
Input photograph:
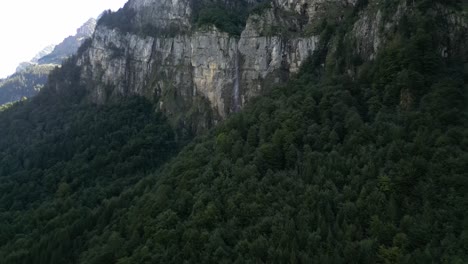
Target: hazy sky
point(27, 26)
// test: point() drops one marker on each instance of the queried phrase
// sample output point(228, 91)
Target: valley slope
point(137, 150)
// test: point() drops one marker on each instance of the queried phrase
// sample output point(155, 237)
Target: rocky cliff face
point(186, 63)
point(207, 63)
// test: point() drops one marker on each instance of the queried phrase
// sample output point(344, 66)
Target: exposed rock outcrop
point(208, 63)
point(183, 62)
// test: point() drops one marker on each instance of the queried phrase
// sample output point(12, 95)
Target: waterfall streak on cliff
point(236, 106)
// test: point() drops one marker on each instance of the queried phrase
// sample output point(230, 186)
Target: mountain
point(31, 76)
point(24, 66)
point(69, 45)
point(201, 132)
point(46, 51)
point(225, 53)
point(25, 83)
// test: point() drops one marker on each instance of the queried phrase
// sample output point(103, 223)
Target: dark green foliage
point(311, 173)
point(122, 19)
point(62, 160)
point(260, 8)
point(327, 169)
point(360, 4)
point(224, 20)
point(227, 16)
point(84, 46)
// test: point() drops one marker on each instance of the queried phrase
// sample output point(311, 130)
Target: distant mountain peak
point(87, 29)
point(70, 44)
point(54, 54)
point(31, 75)
point(44, 52)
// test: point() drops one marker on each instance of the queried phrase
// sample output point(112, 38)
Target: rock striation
point(181, 63)
point(197, 62)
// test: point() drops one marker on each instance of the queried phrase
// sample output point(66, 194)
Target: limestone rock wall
point(207, 63)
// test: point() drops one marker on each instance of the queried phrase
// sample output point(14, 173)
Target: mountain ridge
point(31, 76)
point(69, 45)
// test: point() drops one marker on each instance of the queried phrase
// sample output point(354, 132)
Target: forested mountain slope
point(353, 160)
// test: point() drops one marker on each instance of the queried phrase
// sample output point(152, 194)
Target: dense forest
point(328, 168)
point(61, 159)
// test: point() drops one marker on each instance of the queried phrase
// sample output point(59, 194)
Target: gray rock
point(226, 71)
point(207, 63)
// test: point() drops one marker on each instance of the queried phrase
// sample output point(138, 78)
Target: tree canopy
point(327, 168)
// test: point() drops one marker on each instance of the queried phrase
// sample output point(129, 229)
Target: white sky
point(28, 26)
